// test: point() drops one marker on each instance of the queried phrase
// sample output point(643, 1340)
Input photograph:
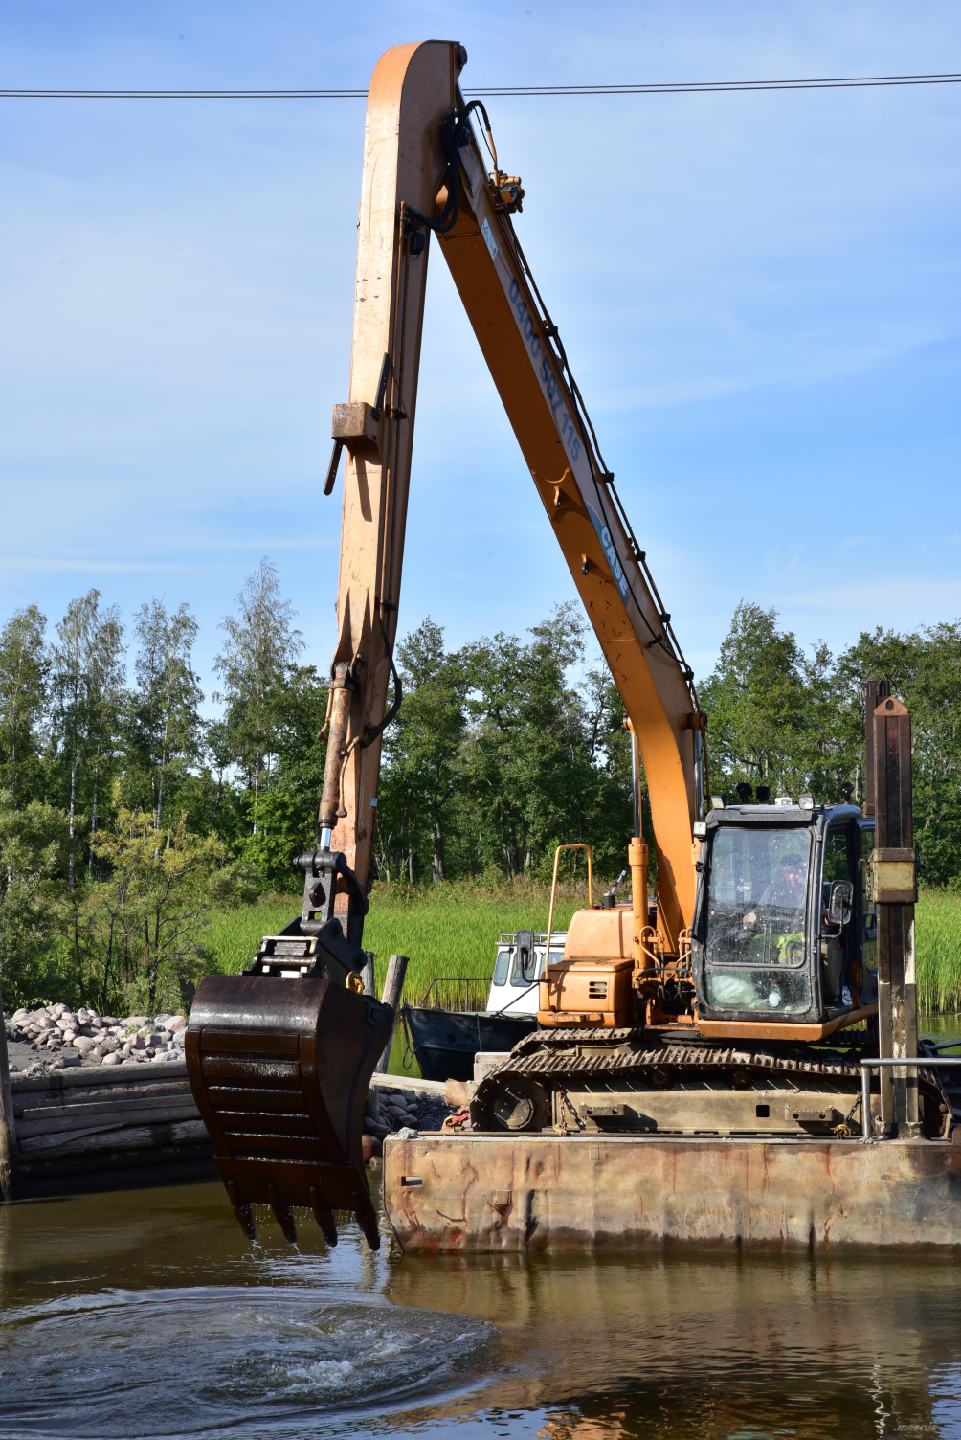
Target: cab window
point(836, 866)
point(756, 900)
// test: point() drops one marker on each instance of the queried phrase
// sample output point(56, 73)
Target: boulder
point(113, 1058)
point(371, 1147)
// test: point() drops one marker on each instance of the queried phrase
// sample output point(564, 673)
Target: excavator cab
point(780, 917)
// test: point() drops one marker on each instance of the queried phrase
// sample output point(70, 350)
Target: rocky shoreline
point(404, 1113)
point(56, 1037)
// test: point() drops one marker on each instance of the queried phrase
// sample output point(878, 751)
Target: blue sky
point(760, 296)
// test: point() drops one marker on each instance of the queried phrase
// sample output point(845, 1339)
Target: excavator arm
point(280, 1058)
point(425, 176)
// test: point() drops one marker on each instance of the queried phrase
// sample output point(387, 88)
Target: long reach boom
point(424, 175)
point(280, 1071)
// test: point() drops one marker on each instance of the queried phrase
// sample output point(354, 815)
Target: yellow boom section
point(407, 177)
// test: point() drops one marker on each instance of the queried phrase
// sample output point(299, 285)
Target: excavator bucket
point(280, 1069)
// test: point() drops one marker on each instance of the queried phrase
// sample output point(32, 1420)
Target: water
point(149, 1314)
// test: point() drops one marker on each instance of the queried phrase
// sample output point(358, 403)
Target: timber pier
point(96, 1129)
point(90, 1128)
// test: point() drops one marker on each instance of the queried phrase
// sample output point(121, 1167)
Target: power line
point(183, 94)
point(680, 87)
point(694, 87)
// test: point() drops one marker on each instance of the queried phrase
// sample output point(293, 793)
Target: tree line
point(125, 812)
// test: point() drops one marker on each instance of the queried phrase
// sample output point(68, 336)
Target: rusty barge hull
point(488, 1194)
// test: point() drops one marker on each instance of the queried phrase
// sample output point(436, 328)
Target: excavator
point(726, 1006)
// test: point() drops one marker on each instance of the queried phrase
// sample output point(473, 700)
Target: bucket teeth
point(323, 1215)
point(366, 1219)
point(282, 1213)
point(243, 1210)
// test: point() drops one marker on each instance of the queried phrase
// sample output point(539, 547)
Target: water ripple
point(190, 1362)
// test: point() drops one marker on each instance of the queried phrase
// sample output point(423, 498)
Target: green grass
point(449, 931)
point(938, 941)
point(454, 931)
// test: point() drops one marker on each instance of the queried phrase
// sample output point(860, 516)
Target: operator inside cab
point(786, 890)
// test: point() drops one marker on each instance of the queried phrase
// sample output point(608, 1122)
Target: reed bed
point(454, 929)
point(938, 941)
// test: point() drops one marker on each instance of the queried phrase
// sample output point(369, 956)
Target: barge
point(527, 1193)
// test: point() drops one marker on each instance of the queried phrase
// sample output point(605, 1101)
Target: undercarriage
point(638, 1081)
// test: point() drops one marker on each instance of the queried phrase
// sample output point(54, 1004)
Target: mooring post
point(877, 690)
point(893, 882)
point(393, 989)
point(8, 1140)
point(367, 974)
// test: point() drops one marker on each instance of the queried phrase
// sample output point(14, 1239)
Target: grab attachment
point(280, 1073)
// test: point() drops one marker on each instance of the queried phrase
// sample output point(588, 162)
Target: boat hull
point(445, 1041)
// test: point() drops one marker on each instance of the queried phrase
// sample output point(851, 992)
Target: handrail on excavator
point(574, 845)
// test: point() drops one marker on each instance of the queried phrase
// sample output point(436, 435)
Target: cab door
point(867, 918)
point(838, 947)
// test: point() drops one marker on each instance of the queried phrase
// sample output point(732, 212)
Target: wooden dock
point(89, 1129)
point(97, 1129)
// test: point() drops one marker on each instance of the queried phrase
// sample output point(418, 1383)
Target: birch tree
point(87, 693)
point(260, 647)
point(31, 841)
point(24, 668)
point(165, 728)
point(152, 907)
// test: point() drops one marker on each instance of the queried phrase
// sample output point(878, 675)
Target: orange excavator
point(719, 1008)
